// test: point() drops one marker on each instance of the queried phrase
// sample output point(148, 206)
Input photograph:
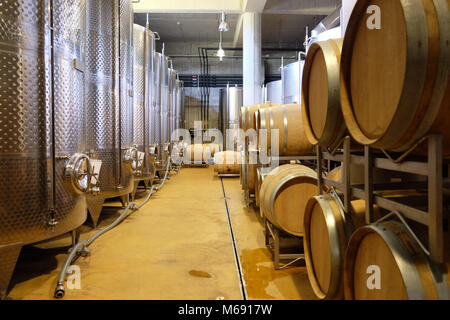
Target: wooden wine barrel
point(327, 232)
point(322, 116)
point(248, 174)
point(287, 119)
point(207, 151)
point(284, 194)
point(262, 117)
point(405, 272)
point(395, 80)
point(247, 116)
point(259, 180)
point(227, 162)
point(252, 177)
point(262, 121)
point(248, 123)
point(242, 122)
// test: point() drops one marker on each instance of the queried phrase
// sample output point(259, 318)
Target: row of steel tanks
point(80, 116)
point(170, 109)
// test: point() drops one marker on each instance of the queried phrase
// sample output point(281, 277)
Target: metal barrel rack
point(228, 175)
point(430, 166)
point(274, 239)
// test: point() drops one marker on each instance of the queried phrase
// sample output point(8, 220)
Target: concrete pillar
point(346, 12)
point(252, 67)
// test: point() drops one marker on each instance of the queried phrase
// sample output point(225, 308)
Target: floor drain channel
point(233, 239)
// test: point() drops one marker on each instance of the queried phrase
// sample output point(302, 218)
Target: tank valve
point(78, 172)
point(131, 158)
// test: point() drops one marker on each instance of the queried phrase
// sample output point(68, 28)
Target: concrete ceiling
point(191, 21)
point(188, 27)
point(286, 29)
point(277, 29)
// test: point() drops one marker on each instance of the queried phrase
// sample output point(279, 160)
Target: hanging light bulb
point(223, 26)
point(220, 52)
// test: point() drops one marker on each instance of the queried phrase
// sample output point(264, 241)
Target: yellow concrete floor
point(178, 246)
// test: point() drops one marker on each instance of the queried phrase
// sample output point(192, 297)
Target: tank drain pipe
point(165, 175)
point(82, 247)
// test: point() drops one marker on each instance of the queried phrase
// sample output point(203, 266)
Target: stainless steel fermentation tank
point(179, 105)
point(143, 164)
point(172, 103)
point(165, 100)
point(177, 144)
point(162, 111)
point(44, 174)
point(274, 92)
point(156, 102)
point(231, 100)
point(292, 81)
point(108, 99)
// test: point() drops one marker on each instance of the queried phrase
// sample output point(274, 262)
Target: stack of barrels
point(248, 169)
point(273, 130)
point(388, 88)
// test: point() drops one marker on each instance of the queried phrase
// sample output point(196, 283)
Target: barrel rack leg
point(319, 170)
point(344, 157)
point(435, 198)
point(273, 239)
point(368, 183)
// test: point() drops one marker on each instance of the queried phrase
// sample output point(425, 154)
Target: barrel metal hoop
point(330, 51)
point(262, 119)
point(271, 118)
point(408, 270)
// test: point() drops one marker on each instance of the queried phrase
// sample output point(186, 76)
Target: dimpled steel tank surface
point(44, 173)
point(108, 99)
point(143, 47)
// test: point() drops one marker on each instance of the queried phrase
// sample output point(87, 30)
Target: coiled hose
point(82, 247)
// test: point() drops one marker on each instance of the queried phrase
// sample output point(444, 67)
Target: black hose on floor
point(81, 248)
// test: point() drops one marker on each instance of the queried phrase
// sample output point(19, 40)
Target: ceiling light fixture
point(220, 52)
point(223, 26)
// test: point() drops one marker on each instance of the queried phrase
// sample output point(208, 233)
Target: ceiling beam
point(310, 7)
point(237, 41)
point(247, 6)
point(188, 6)
point(253, 5)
